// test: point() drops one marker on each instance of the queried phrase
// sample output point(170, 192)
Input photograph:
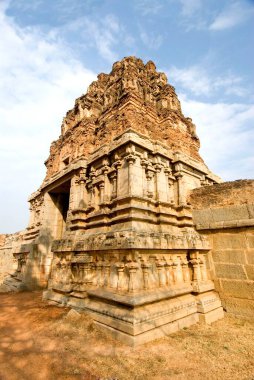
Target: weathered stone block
point(211, 316)
point(233, 271)
point(237, 289)
point(240, 307)
point(217, 284)
point(227, 241)
point(250, 208)
point(202, 217)
point(234, 256)
point(73, 315)
point(58, 298)
point(207, 302)
point(250, 256)
point(229, 213)
point(250, 271)
point(156, 333)
point(250, 240)
point(245, 223)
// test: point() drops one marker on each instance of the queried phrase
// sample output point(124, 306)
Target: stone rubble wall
point(24, 264)
point(6, 257)
point(225, 214)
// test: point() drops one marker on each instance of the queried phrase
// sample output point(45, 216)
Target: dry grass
point(62, 348)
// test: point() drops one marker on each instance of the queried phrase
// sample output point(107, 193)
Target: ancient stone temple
point(111, 229)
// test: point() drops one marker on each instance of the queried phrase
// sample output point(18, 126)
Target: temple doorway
point(60, 197)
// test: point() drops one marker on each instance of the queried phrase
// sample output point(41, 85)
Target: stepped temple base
point(135, 295)
point(134, 325)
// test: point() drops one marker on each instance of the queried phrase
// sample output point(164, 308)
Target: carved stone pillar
point(150, 181)
point(170, 181)
point(101, 192)
point(181, 190)
point(113, 177)
point(174, 270)
point(133, 266)
point(157, 168)
point(177, 271)
point(96, 196)
point(74, 271)
point(80, 274)
point(82, 184)
point(99, 266)
point(105, 170)
point(76, 194)
point(169, 274)
point(120, 272)
point(66, 276)
point(161, 274)
point(144, 164)
point(106, 266)
point(87, 273)
point(81, 201)
point(186, 271)
point(130, 160)
point(145, 268)
point(203, 269)
point(117, 164)
point(196, 269)
point(90, 195)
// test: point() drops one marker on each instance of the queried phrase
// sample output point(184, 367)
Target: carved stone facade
point(111, 229)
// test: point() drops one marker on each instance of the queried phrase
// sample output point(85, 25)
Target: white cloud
point(194, 14)
point(226, 133)
point(103, 34)
point(28, 5)
point(235, 14)
point(189, 7)
point(151, 40)
point(199, 82)
point(147, 7)
point(39, 81)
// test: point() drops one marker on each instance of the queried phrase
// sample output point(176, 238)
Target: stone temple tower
point(111, 230)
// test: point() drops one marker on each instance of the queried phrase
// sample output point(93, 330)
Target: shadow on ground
point(38, 342)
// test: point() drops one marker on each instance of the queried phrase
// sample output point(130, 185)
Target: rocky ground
point(38, 342)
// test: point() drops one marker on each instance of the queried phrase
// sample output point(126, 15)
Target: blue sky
point(50, 50)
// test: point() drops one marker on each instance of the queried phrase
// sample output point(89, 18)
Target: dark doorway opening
point(60, 196)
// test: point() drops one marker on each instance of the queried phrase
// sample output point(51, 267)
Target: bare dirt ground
point(38, 342)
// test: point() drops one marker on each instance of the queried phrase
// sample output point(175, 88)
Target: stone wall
point(6, 257)
point(8, 262)
point(225, 214)
point(225, 194)
point(24, 264)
